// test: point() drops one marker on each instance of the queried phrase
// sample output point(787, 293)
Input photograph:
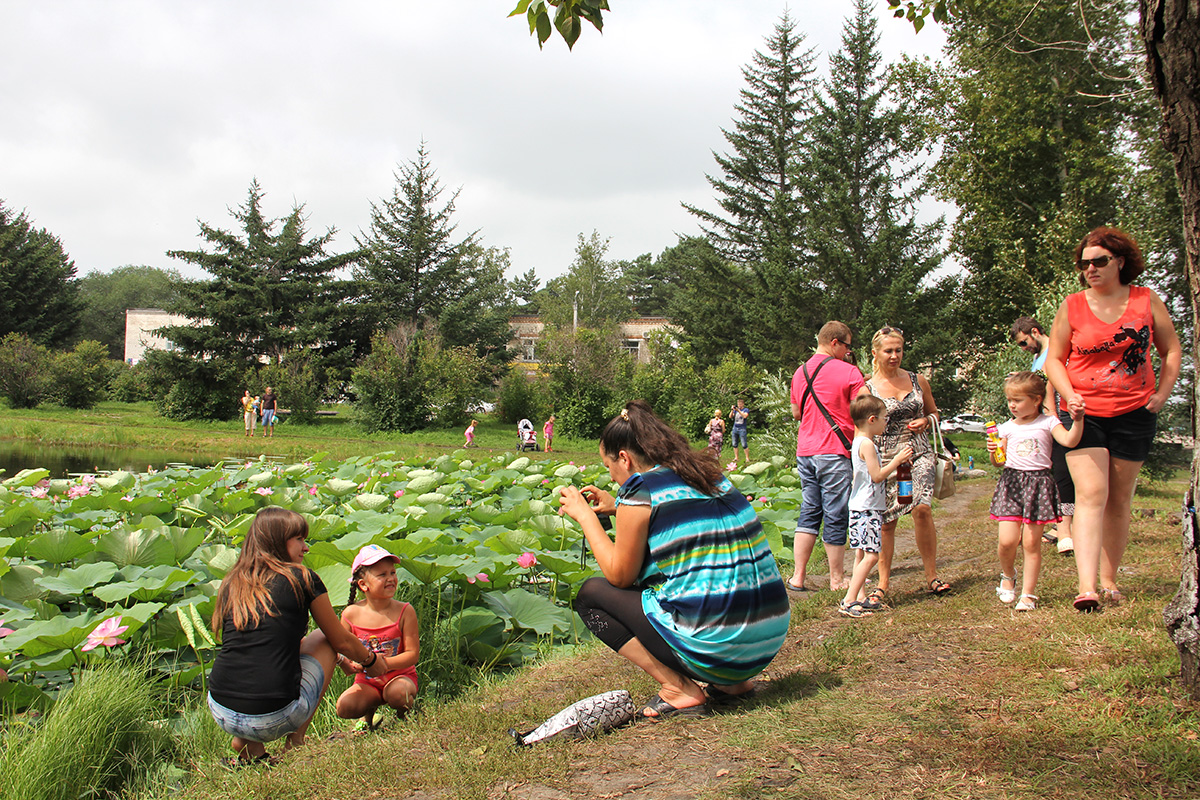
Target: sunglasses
point(1100, 262)
point(887, 329)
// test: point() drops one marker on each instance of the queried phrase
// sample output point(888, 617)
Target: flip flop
point(938, 586)
point(664, 710)
point(794, 589)
point(718, 696)
point(1086, 601)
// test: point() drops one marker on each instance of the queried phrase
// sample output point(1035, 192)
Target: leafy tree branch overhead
point(567, 18)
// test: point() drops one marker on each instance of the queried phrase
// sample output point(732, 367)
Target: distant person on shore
point(1026, 496)
point(548, 432)
point(738, 417)
point(716, 433)
point(1029, 335)
point(268, 412)
point(868, 499)
point(249, 412)
point(822, 389)
point(469, 434)
point(690, 592)
point(386, 627)
point(269, 677)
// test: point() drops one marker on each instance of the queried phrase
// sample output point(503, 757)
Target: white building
point(140, 324)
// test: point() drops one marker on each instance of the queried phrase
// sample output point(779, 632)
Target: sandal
point(1111, 596)
point(877, 596)
point(718, 696)
point(871, 604)
point(1086, 601)
point(663, 710)
point(794, 589)
point(1028, 602)
point(938, 586)
point(1007, 595)
point(854, 610)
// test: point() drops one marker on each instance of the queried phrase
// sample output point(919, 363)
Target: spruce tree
point(860, 188)
point(410, 266)
point(38, 290)
point(762, 223)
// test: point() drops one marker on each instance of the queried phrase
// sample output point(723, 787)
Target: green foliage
point(568, 17)
point(388, 386)
point(520, 397)
point(298, 383)
point(79, 378)
point(97, 740)
point(24, 370)
point(586, 369)
point(105, 296)
point(595, 284)
point(200, 390)
point(410, 268)
point(38, 290)
point(709, 301)
point(138, 382)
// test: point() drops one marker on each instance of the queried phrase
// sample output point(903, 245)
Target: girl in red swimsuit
point(385, 626)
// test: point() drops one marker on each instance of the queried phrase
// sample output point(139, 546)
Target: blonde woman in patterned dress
point(911, 412)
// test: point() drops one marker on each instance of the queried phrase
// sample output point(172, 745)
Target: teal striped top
point(710, 583)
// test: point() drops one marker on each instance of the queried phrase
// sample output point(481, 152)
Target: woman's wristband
point(371, 663)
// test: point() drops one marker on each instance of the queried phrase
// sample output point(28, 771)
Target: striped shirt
point(710, 583)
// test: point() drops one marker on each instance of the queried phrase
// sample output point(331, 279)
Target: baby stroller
point(526, 438)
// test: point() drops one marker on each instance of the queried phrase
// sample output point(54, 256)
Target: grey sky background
point(126, 121)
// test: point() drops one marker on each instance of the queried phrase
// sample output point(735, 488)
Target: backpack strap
point(821, 406)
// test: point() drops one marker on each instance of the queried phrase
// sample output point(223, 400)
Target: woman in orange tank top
point(1099, 361)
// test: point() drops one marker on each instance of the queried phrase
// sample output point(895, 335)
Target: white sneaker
point(1066, 546)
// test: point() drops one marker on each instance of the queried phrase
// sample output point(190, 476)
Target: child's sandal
point(1007, 595)
point(1028, 602)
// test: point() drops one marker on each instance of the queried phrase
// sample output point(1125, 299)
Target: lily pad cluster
point(482, 536)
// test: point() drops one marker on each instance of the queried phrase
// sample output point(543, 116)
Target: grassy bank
point(138, 425)
point(954, 697)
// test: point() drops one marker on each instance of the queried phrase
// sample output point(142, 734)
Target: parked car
point(971, 423)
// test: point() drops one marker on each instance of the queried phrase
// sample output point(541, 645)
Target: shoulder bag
point(943, 482)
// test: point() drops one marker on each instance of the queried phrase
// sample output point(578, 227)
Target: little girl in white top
point(1026, 496)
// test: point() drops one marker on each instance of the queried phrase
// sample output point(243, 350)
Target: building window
point(632, 346)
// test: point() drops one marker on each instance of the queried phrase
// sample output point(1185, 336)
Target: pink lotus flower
point(77, 491)
point(481, 577)
point(106, 634)
point(39, 491)
point(399, 493)
point(88, 480)
point(545, 481)
point(128, 498)
point(731, 466)
point(263, 490)
point(3, 630)
point(312, 490)
point(526, 560)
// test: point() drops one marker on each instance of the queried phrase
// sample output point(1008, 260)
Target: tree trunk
point(1171, 33)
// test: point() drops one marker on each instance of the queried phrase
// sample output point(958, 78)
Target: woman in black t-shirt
point(269, 676)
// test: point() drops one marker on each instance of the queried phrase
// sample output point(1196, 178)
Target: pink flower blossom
point(88, 480)
point(526, 560)
point(263, 490)
point(545, 481)
point(249, 464)
point(731, 466)
point(106, 634)
point(44, 483)
point(481, 577)
point(399, 493)
point(77, 491)
point(312, 490)
point(128, 498)
point(39, 491)
point(3, 630)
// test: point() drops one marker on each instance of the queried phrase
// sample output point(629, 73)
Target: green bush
point(298, 382)
point(79, 378)
point(521, 397)
point(387, 383)
point(200, 390)
point(140, 382)
point(24, 370)
point(97, 739)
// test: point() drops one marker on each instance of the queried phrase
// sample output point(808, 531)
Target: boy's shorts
point(866, 530)
point(739, 435)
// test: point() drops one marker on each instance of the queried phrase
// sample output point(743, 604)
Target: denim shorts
point(269, 727)
point(268, 417)
point(825, 491)
point(738, 433)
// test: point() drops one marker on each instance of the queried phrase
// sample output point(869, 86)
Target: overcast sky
point(126, 121)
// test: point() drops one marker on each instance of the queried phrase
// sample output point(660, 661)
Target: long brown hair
point(638, 430)
point(245, 593)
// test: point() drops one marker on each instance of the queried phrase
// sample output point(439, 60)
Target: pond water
point(63, 461)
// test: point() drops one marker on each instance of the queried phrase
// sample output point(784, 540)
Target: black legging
point(615, 616)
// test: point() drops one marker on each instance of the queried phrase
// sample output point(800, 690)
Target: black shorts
point(1127, 436)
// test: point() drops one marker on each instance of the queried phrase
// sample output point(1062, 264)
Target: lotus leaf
point(533, 481)
point(787, 479)
point(183, 540)
point(297, 470)
point(513, 542)
point(567, 472)
point(567, 569)
point(484, 513)
point(429, 498)
point(20, 519)
point(519, 464)
point(5, 545)
point(59, 485)
point(431, 570)
point(59, 546)
point(737, 479)
point(340, 488)
point(466, 463)
point(326, 526)
point(779, 462)
point(757, 468)
point(141, 547)
point(435, 513)
point(530, 611)
point(217, 557)
point(517, 494)
point(17, 585)
point(72, 582)
point(262, 479)
point(27, 477)
point(45, 636)
point(372, 502)
point(151, 585)
point(553, 526)
point(19, 696)
point(422, 484)
point(477, 625)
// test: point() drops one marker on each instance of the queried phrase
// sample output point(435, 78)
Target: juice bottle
point(904, 483)
point(993, 435)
